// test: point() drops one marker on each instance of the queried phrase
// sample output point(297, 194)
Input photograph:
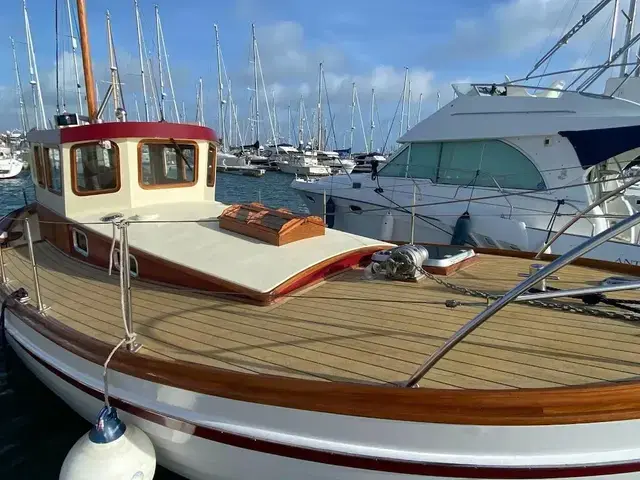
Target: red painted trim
point(106, 131)
point(347, 460)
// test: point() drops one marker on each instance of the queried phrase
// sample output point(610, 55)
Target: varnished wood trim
point(48, 170)
point(212, 163)
point(38, 166)
point(553, 406)
point(166, 141)
point(74, 170)
point(447, 470)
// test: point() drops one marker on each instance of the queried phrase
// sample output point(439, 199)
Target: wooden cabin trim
point(83, 133)
point(166, 141)
point(38, 166)
point(523, 407)
point(74, 170)
point(58, 230)
point(48, 170)
point(213, 163)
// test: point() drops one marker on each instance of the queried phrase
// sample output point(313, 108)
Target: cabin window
point(397, 166)
point(167, 164)
point(80, 242)
point(95, 168)
point(211, 166)
point(490, 163)
point(53, 172)
point(423, 160)
point(38, 167)
point(133, 263)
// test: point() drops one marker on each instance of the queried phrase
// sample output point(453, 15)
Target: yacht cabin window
point(95, 168)
point(38, 168)
point(53, 172)
point(488, 163)
point(167, 164)
point(211, 166)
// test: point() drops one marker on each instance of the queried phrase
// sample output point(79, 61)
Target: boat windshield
point(166, 163)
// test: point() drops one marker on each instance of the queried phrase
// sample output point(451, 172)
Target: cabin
point(161, 178)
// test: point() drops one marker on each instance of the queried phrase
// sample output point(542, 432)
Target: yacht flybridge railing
point(516, 292)
point(583, 212)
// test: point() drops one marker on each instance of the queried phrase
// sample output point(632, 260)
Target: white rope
point(105, 370)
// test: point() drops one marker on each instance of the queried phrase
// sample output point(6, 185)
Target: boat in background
point(10, 164)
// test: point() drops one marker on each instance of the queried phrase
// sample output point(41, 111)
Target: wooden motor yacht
point(256, 343)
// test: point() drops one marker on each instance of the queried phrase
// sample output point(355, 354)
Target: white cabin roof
point(485, 117)
point(232, 257)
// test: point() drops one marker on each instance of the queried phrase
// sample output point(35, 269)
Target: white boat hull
point(205, 437)
point(10, 168)
point(361, 211)
point(304, 170)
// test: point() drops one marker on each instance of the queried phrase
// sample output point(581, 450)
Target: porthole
point(311, 199)
point(80, 242)
point(355, 209)
point(133, 263)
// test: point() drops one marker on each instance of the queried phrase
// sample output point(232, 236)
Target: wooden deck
point(347, 329)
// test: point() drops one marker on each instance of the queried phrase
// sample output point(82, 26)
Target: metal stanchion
point(125, 264)
point(34, 267)
point(3, 273)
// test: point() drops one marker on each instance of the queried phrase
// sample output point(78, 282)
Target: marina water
point(36, 428)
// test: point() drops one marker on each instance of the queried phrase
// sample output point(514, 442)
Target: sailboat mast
point(201, 106)
point(89, 82)
point(319, 109)
point(145, 102)
point(300, 124)
point(372, 125)
point(230, 112)
point(74, 47)
point(223, 137)
point(38, 105)
point(289, 123)
point(631, 18)
point(419, 109)
point(166, 61)
point(162, 94)
point(614, 25)
point(256, 100)
point(112, 65)
point(353, 113)
point(24, 120)
point(404, 98)
point(409, 107)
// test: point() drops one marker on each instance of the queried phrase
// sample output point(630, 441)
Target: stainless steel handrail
point(584, 211)
point(515, 292)
point(34, 267)
point(3, 273)
point(578, 291)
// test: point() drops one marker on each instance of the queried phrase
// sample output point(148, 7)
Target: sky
point(369, 42)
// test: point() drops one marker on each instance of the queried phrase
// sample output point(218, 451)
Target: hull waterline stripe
point(343, 459)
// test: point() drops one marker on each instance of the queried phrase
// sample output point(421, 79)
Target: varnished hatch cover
point(274, 226)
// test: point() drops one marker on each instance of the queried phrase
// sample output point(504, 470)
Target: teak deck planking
point(340, 330)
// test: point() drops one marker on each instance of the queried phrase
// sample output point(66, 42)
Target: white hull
point(495, 223)
point(10, 168)
point(206, 437)
point(305, 170)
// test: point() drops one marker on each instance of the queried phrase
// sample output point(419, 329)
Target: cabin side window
point(95, 168)
point(167, 164)
point(490, 163)
point(211, 166)
point(53, 172)
point(80, 242)
point(133, 263)
point(38, 167)
point(397, 167)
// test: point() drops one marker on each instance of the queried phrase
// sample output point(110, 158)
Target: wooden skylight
point(276, 227)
